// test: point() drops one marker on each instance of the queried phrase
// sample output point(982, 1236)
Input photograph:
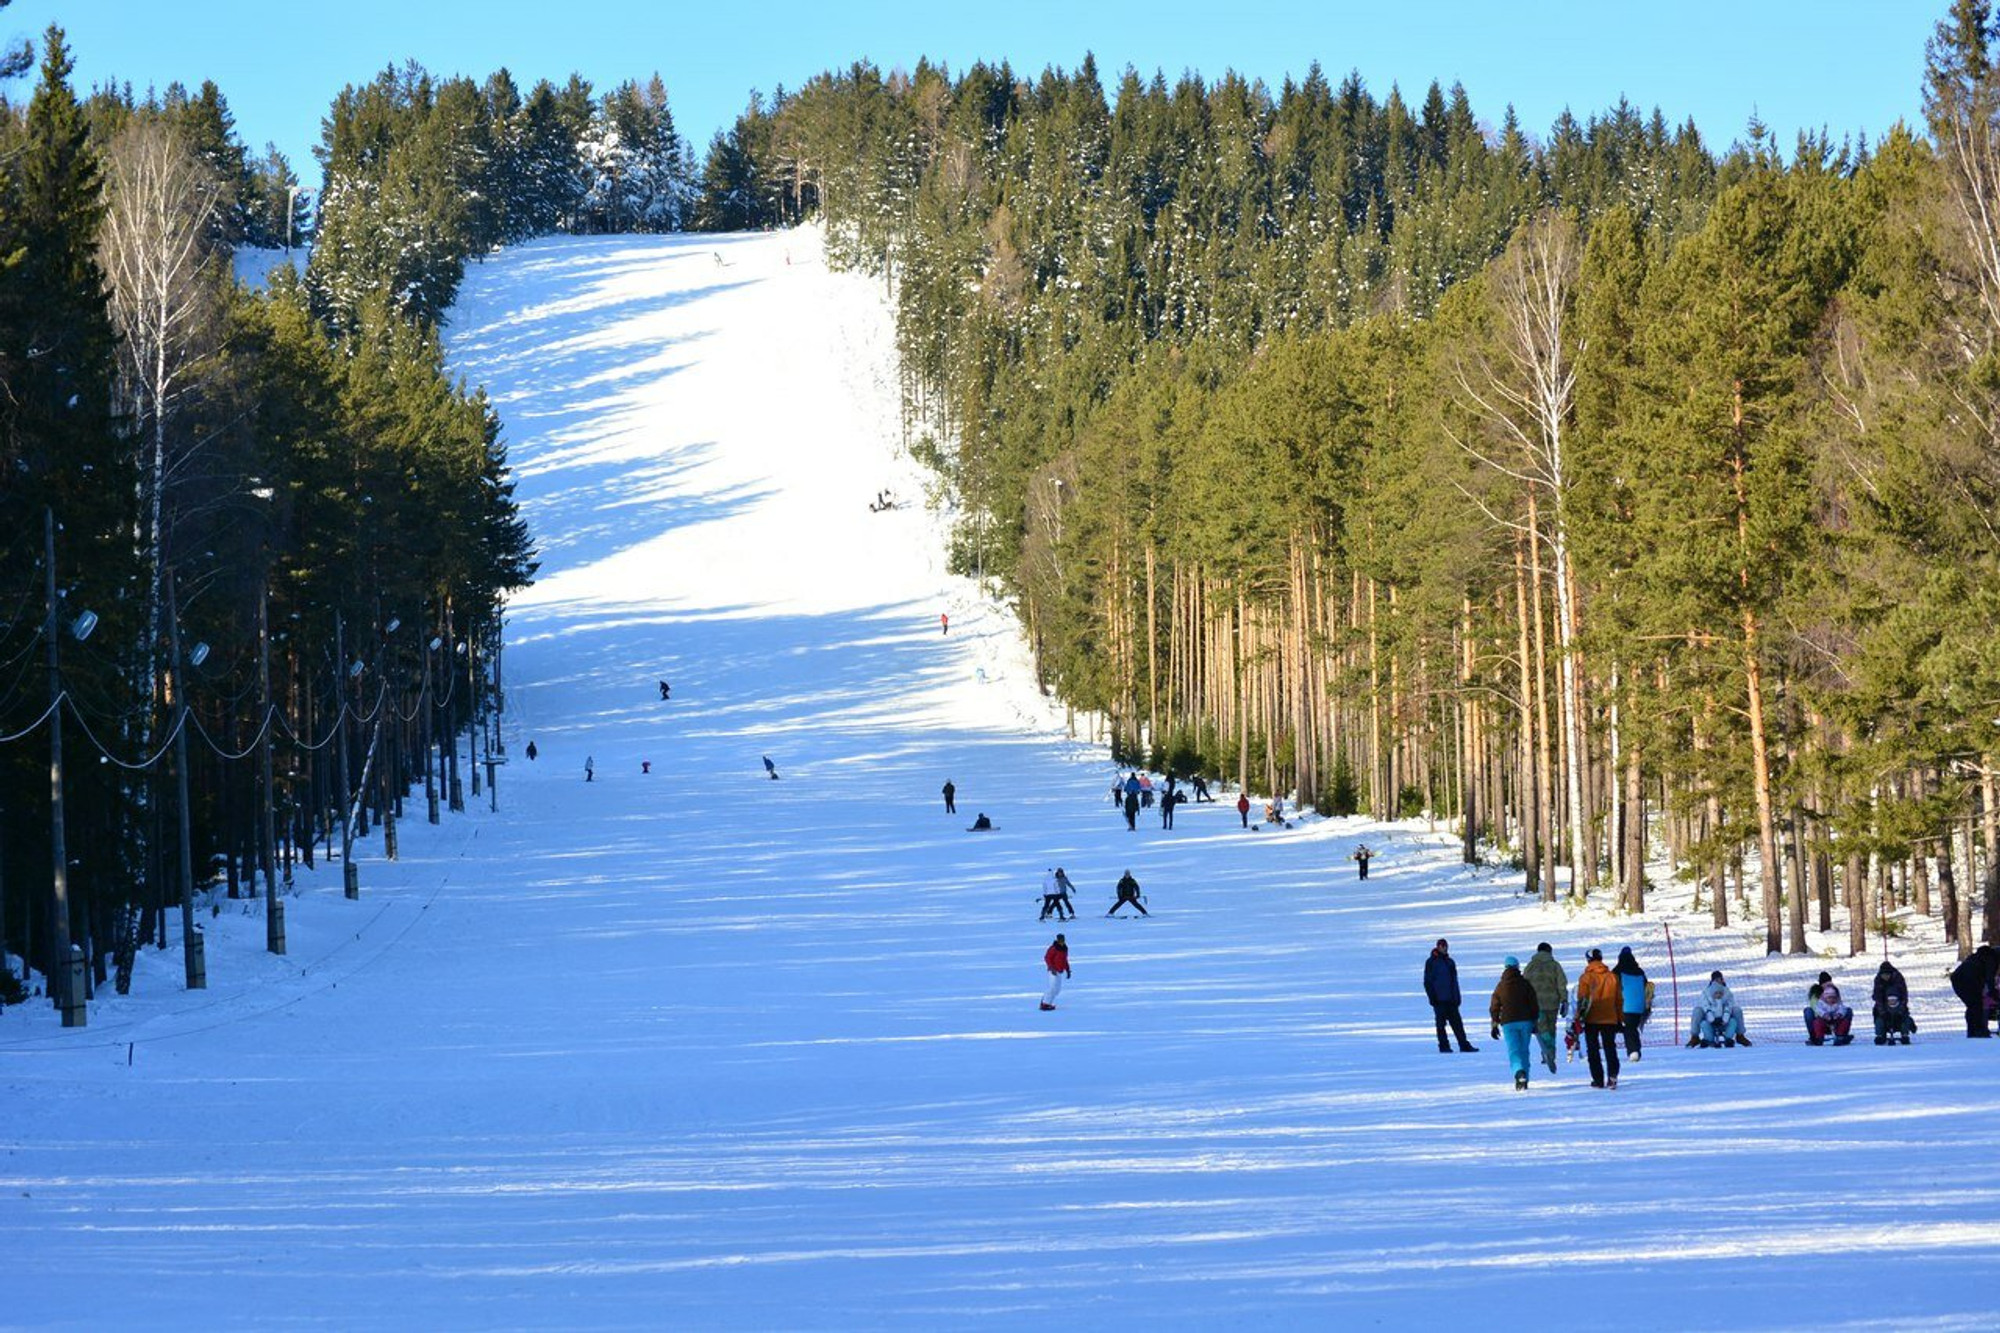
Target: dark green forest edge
point(1576, 490)
point(1599, 492)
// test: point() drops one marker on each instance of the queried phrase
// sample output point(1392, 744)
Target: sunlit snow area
point(694, 1048)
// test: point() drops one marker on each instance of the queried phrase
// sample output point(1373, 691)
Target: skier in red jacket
point(1056, 959)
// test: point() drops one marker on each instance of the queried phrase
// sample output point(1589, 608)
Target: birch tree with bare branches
point(1520, 382)
point(163, 276)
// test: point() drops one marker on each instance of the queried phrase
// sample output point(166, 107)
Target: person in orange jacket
point(1243, 808)
point(1056, 959)
point(1600, 1008)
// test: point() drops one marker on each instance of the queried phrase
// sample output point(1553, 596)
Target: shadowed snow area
point(698, 1049)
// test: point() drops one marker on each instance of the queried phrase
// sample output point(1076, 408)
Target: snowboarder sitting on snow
point(1892, 1006)
point(1831, 1018)
point(1717, 1019)
point(1812, 998)
point(981, 824)
point(1128, 892)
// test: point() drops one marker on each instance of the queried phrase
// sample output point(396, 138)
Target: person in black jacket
point(1970, 981)
point(1892, 1006)
point(1128, 892)
point(1441, 989)
point(950, 798)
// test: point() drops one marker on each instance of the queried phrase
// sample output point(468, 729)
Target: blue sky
point(1847, 65)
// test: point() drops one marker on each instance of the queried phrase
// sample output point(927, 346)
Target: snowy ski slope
point(696, 1049)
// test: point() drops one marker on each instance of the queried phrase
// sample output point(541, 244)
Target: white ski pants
point(1055, 988)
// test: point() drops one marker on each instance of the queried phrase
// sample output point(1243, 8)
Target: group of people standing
point(1612, 1003)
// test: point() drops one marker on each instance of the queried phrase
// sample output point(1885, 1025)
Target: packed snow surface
point(694, 1048)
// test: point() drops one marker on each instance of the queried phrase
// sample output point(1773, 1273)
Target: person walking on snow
point(1600, 1008)
point(1441, 989)
point(1243, 808)
point(1972, 981)
point(531, 752)
point(1128, 892)
point(1514, 1009)
point(1131, 811)
point(1168, 801)
point(1361, 858)
point(666, 690)
point(944, 623)
point(1056, 960)
point(1634, 998)
point(1551, 985)
point(950, 798)
point(589, 769)
point(770, 768)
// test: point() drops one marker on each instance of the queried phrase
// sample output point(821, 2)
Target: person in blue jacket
point(1633, 999)
point(1441, 989)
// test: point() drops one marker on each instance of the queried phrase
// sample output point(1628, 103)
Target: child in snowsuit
point(1717, 1019)
point(1056, 960)
point(1514, 1008)
point(1551, 985)
point(1892, 1006)
point(1831, 1018)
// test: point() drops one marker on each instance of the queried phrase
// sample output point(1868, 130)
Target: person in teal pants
point(1515, 1009)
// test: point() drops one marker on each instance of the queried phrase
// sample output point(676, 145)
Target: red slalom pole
point(1674, 973)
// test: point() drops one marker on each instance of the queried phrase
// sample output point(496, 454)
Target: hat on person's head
point(1595, 955)
point(1825, 977)
point(1444, 944)
point(1512, 961)
point(1544, 947)
point(1059, 937)
point(1715, 975)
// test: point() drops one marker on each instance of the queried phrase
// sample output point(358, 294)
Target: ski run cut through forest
point(664, 1042)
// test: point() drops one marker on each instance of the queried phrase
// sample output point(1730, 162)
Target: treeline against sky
point(293, 480)
point(1603, 492)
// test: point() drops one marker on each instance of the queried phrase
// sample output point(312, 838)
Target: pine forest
point(1625, 502)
